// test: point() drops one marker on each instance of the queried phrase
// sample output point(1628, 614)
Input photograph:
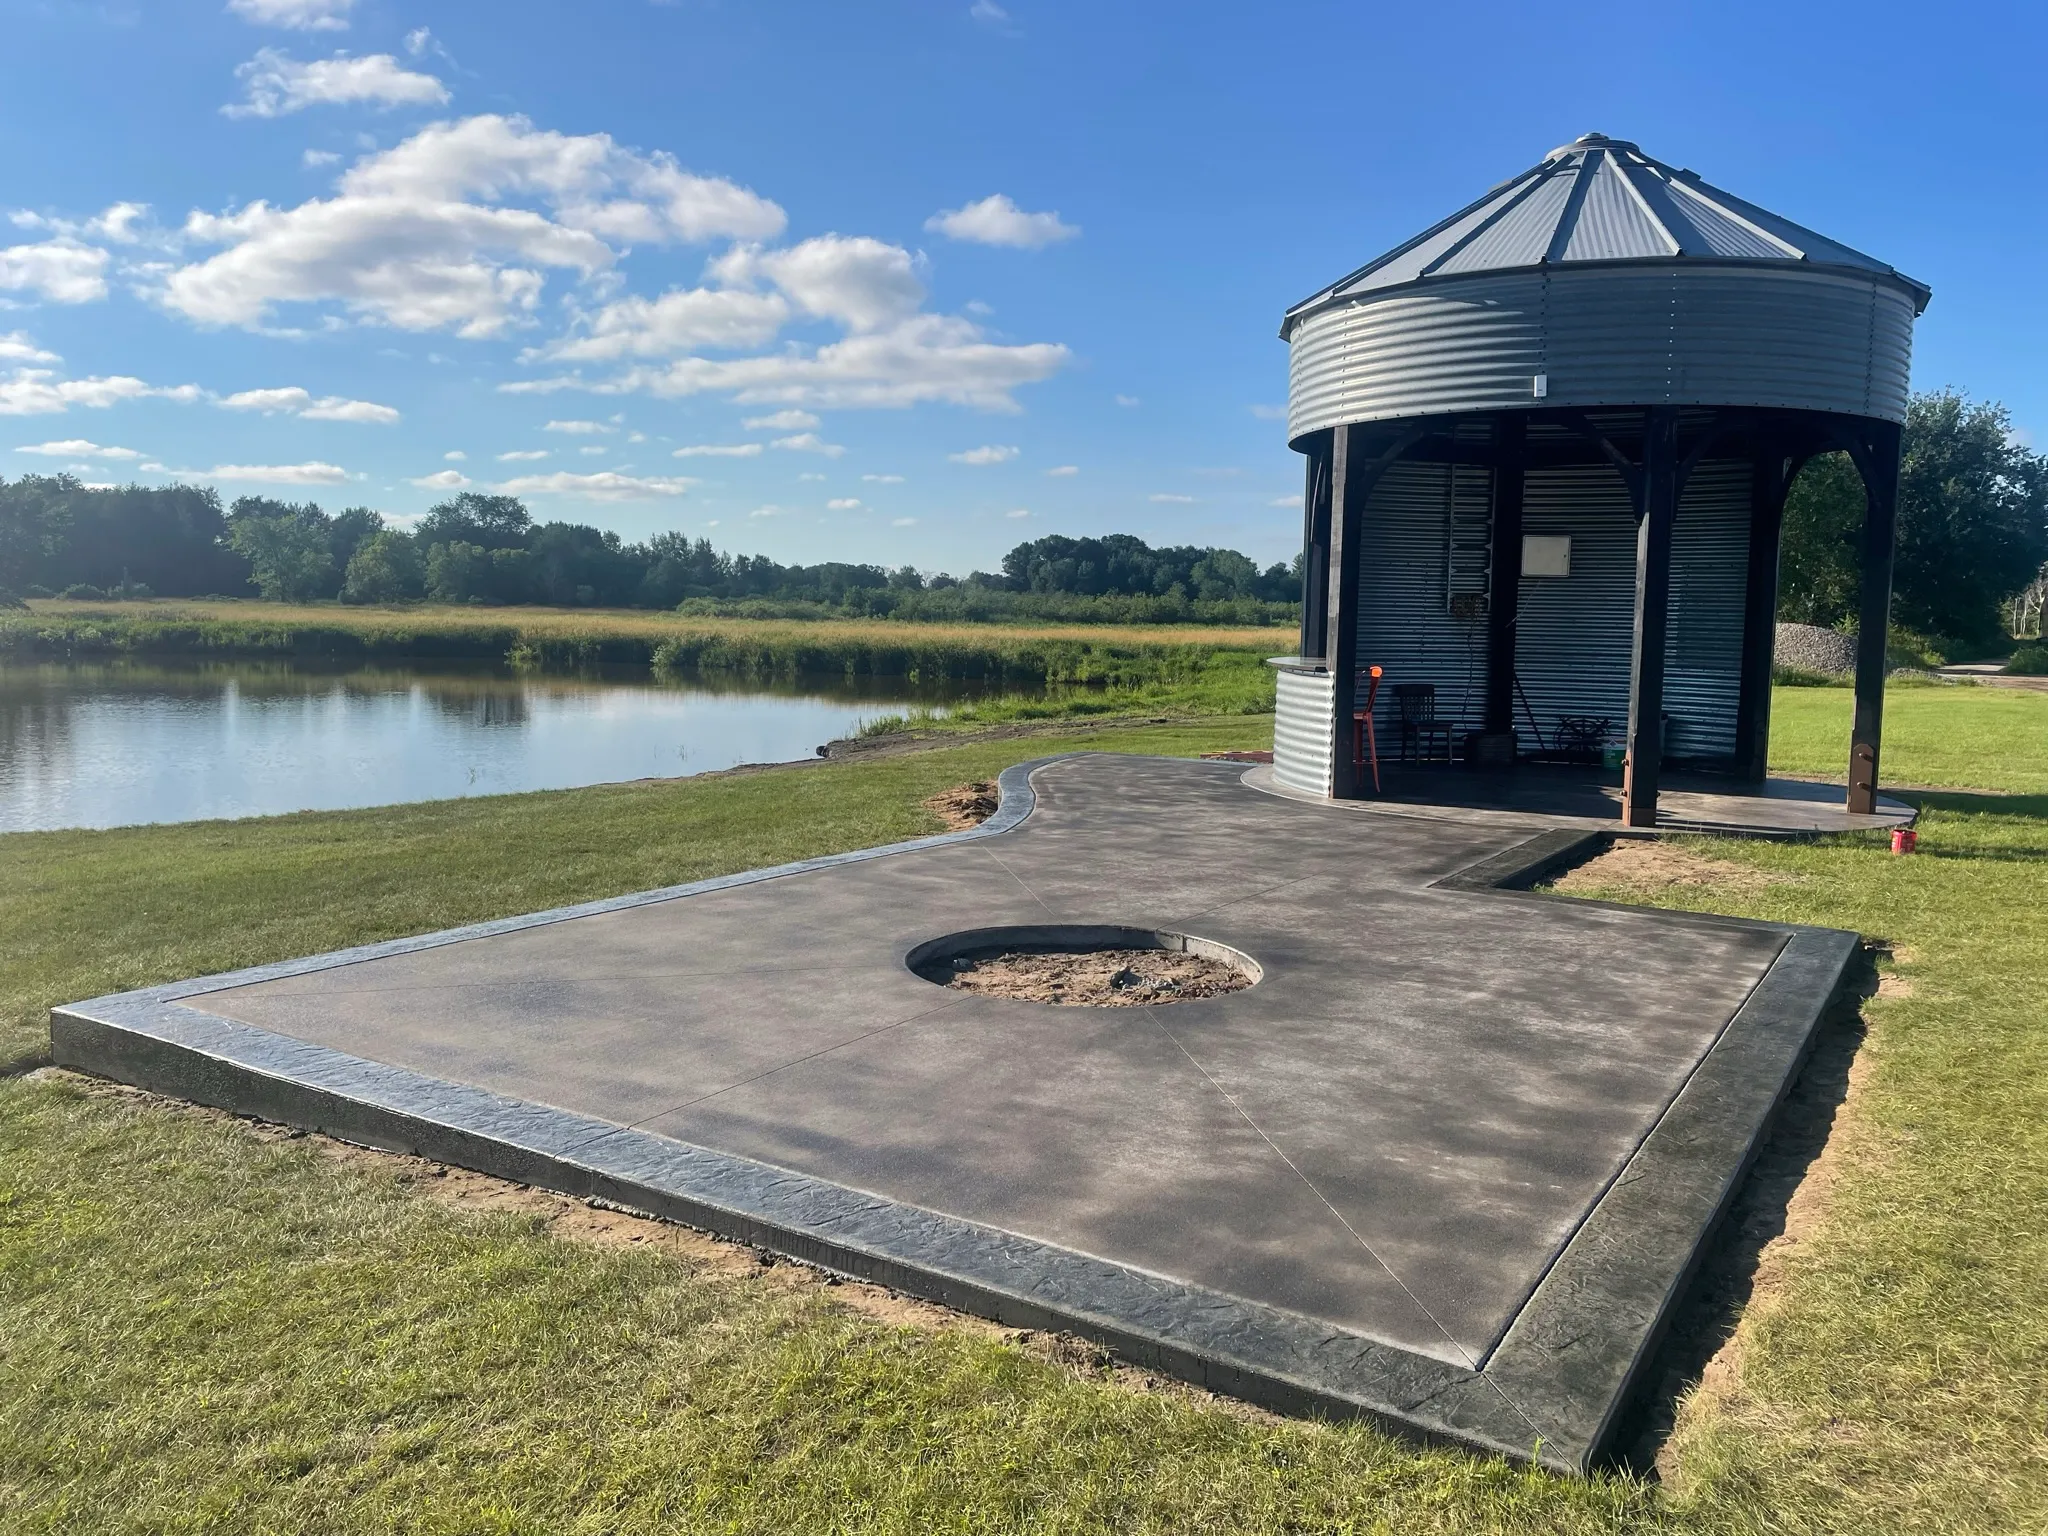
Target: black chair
point(1422, 734)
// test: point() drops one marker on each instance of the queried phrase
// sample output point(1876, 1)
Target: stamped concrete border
point(1550, 1392)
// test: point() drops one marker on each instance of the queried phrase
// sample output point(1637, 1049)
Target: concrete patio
point(1448, 1164)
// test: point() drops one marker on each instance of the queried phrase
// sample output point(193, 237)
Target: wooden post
point(1768, 486)
point(1315, 550)
point(1504, 584)
point(1658, 511)
point(1880, 470)
point(1340, 633)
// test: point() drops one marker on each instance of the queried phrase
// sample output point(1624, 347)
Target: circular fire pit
point(1083, 965)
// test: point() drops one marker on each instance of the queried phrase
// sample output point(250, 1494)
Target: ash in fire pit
point(1084, 967)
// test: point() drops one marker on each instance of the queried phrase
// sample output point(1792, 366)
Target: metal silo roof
point(1598, 200)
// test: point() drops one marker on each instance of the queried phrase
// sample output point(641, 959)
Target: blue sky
point(935, 276)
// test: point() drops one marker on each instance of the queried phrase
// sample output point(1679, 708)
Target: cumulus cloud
point(313, 473)
point(1173, 497)
point(997, 220)
point(454, 455)
point(883, 479)
point(39, 392)
point(808, 442)
point(522, 455)
point(579, 428)
point(455, 228)
point(300, 15)
point(442, 480)
point(863, 283)
point(77, 448)
point(842, 504)
point(275, 84)
point(1020, 512)
point(15, 347)
point(63, 270)
point(781, 421)
point(719, 451)
point(681, 320)
point(605, 485)
point(1061, 471)
point(992, 453)
point(293, 401)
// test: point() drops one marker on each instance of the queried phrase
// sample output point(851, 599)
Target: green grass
point(202, 1329)
point(1957, 736)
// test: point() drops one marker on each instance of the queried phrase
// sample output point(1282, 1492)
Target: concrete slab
point(1358, 1186)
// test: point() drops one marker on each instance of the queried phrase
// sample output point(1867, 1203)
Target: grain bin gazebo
point(1548, 446)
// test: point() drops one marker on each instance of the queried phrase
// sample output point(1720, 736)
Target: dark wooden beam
point(1315, 547)
point(1768, 484)
point(1879, 465)
point(1504, 584)
point(1657, 508)
point(1340, 626)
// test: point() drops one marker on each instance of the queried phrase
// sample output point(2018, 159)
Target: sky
point(904, 281)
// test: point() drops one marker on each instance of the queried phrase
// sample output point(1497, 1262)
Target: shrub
point(2029, 661)
point(81, 593)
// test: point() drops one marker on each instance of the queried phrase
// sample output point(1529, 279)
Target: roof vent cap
point(1586, 141)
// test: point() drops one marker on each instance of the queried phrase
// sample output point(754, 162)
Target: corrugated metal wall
point(1618, 335)
point(1421, 528)
point(1301, 732)
point(1574, 633)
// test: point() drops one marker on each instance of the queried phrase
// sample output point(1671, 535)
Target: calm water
point(108, 746)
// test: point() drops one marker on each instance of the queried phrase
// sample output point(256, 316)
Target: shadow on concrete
point(1721, 1288)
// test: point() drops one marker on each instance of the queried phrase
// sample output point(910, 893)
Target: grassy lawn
point(203, 1327)
point(1956, 737)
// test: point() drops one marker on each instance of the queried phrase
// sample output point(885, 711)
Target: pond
point(104, 746)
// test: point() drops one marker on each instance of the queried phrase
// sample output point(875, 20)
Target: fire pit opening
point(1080, 965)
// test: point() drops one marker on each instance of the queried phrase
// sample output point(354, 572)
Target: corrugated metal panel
point(1613, 224)
point(1707, 335)
point(1302, 732)
point(1573, 633)
point(1709, 587)
point(1414, 523)
point(1630, 208)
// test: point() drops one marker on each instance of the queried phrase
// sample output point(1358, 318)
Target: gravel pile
point(1810, 648)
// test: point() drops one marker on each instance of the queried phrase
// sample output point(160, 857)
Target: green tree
point(472, 517)
point(1973, 525)
point(289, 549)
point(385, 568)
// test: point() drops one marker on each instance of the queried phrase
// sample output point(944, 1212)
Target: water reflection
point(99, 746)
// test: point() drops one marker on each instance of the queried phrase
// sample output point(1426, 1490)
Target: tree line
point(59, 537)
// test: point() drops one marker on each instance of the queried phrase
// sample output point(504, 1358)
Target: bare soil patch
point(1103, 978)
point(965, 805)
point(1640, 864)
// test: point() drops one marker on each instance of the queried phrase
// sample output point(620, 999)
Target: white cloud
point(1020, 512)
point(842, 504)
point(681, 320)
point(1127, 400)
point(39, 392)
point(1172, 497)
point(61, 270)
point(605, 485)
point(1286, 501)
point(883, 479)
point(418, 41)
point(442, 480)
point(578, 428)
point(593, 448)
point(302, 15)
point(902, 522)
point(781, 421)
point(988, 13)
point(997, 220)
point(78, 448)
point(454, 455)
point(1269, 412)
point(314, 473)
point(276, 85)
point(771, 510)
point(810, 475)
point(719, 451)
point(808, 442)
point(992, 453)
point(294, 401)
point(522, 455)
point(1061, 471)
point(863, 283)
point(314, 159)
point(15, 347)
point(431, 234)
